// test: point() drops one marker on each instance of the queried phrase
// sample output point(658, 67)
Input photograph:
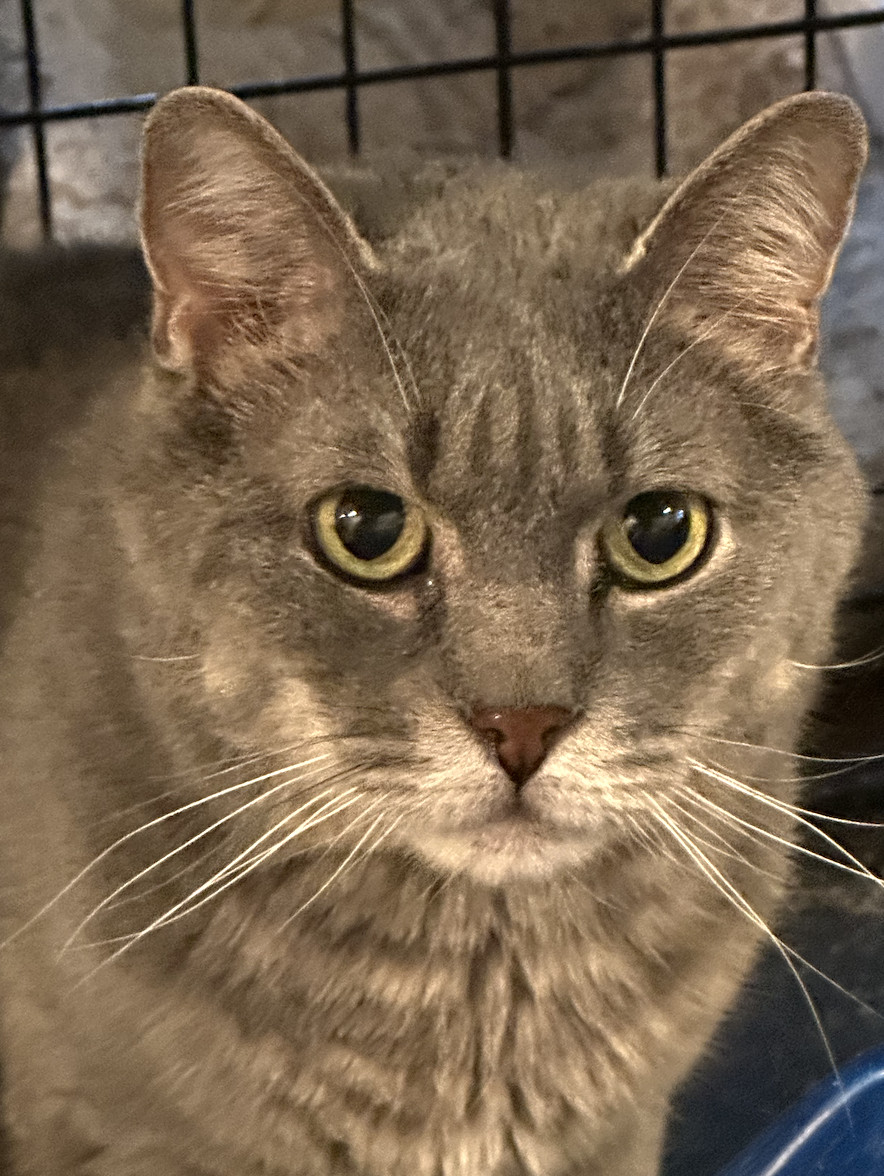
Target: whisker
point(658, 308)
point(241, 761)
point(796, 812)
point(154, 887)
point(384, 342)
point(264, 796)
point(238, 869)
point(701, 338)
point(646, 835)
point(802, 778)
point(167, 917)
point(741, 903)
point(858, 870)
point(730, 849)
point(788, 953)
point(251, 864)
point(229, 875)
point(864, 660)
point(174, 658)
point(329, 845)
point(851, 761)
point(374, 311)
point(232, 764)
point(143, 829)
point(342, 867)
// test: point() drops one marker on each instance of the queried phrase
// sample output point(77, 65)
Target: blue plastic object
point(836, 1130)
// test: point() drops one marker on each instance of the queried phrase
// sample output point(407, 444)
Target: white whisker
point(244, 865)
point(741, 903)
point(847, 761)
point(139, 895)
point(664, 298)
point(701, 338)
point(729, 849)
point(239, 761)
point(176, 658)
point(261, 799)
point(384, 343)
point(347, 860)
point(184, 907)
point(858, 871)
point(647, 835)
point(798, 814)
point(371, 305)
point(233, 765)
point(864, 660)
point(143, 829)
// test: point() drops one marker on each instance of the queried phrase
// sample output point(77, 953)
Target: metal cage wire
point(351, 78)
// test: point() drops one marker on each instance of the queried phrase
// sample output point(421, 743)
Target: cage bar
point(350, 76)
point(265, 89)
point(35, 102)
point(658, 56)
point(503, 61)
point(503, 47)
point(191, 53)
point(810, 45)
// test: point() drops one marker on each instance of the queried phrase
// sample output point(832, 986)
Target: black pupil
point(657, 524)
point(369, 521)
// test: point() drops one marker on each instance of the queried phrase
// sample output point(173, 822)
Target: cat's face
point(501, 522)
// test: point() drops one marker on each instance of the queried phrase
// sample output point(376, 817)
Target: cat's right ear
point(744, 248)
point(244, 243)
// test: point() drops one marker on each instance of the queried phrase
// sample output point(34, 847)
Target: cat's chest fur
point(403, 1021)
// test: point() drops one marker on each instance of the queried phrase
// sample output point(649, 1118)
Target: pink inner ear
point(185, 330)
point(246, 246)
point(744, 248)
point(245, 288)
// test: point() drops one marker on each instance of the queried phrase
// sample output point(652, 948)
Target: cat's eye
point(660, 535)
point(368, 533)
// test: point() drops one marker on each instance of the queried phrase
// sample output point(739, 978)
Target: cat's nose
point(520, 735)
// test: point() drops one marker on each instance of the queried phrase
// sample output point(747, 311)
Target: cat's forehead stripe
point(501, 297)
point(516, 421)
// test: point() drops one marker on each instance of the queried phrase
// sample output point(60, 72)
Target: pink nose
point(521, 736)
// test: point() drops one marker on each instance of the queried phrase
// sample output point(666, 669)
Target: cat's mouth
point(517, 816)
point(513, 841)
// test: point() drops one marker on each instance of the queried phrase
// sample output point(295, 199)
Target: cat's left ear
point(244, 242)
point(743, 249)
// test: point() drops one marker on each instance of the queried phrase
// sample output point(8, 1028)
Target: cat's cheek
point(257, 704)
point(400, 604)
point(292, 715)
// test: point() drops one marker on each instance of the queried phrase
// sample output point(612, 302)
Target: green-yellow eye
point(368, 533)
point(660, 535)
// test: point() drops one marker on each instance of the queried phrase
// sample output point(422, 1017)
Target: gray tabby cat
point(405, 642)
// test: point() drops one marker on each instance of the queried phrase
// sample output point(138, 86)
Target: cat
point(408, 621)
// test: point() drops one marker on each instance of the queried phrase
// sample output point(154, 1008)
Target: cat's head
point(492, 522)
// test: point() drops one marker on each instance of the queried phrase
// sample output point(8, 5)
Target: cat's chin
point(503, 851)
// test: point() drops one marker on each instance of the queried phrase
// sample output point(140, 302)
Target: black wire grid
point(350, 78)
